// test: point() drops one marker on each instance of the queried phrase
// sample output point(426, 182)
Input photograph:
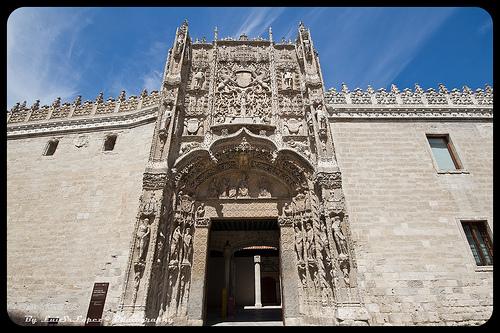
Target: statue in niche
point(150, 207)
point(179, 44)
point(344, 267)
point(287, 210)
point(200, 211)
point(299, 244)
point(264, 188)
point(232, 190)
point(299, 201)
point(143, 237)
point(339, 237)
point(309, 240)
point(187, 245)
point(243, 187)
point(288, 79)
point(174, 246)
point(321, 117)
point(199, 78)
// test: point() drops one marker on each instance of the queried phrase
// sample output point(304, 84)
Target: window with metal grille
point(479, 241)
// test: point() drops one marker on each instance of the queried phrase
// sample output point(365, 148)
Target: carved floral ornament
point(329, 180)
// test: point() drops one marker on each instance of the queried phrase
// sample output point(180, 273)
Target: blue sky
point(81, 51)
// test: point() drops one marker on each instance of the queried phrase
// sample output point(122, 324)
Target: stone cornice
point(436, 104)
point(398, 112)
point(115, 120)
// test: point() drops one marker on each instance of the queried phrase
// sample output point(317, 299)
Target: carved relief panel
point(243, 87)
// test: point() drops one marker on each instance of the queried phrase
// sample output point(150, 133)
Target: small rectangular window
point(109, 142)
point(443, 152)
point(479, 241)
point(51, 147)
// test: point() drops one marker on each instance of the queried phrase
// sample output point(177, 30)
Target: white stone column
point(258, 303)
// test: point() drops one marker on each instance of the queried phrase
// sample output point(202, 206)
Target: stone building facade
point(137, 192)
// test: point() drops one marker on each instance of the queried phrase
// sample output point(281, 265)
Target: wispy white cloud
point(258, 21)
point(38, 64)
point(392, 40)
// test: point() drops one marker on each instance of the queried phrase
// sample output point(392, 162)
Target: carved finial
point(418, 89)
point(344, 88)
point(270, 34)
point(394, 89)
point(370, 89)
point(121, 98)
point(243, 36)
point(36, 105)
point(15, 107)
point(144, 93)
point(185, 23)
point(488, 89)
point(196, 40)
point(203, 39)
point(216, 33)
point(442, 89)
point(78, 100)
point(57, 103)
point(467, 90)
point(100, 97)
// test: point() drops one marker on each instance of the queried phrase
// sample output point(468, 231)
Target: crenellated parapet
point(419, 103)
point(20, 113)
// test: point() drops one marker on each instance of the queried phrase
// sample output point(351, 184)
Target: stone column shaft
point(258, 303)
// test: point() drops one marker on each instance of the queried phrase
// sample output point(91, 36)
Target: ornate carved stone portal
point(242, 132)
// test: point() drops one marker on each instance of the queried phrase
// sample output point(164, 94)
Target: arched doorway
point(243, 274)
point(243, 177)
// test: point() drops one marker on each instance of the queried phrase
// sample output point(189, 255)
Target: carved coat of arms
point(243, 78)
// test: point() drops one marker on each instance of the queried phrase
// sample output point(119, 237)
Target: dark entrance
point(239, 252)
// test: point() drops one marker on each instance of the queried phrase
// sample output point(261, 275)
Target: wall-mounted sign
point(96, 306)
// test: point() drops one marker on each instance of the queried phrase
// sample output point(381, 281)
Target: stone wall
point(70, 219)
point(415, 266)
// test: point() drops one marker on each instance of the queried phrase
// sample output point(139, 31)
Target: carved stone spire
point(270, 34)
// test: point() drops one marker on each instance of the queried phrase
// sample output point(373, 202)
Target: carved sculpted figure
point(288, 79)
point(151, 206)
point(187, 245)
point(225, 188)
point(299, 244)
point(200, 211)
point(288, 210)
point(174, 246)
point(339, 236)
point(309, 240)
point(264, 188)
point(199, 78)
point(143, 237)
point(243, 187)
